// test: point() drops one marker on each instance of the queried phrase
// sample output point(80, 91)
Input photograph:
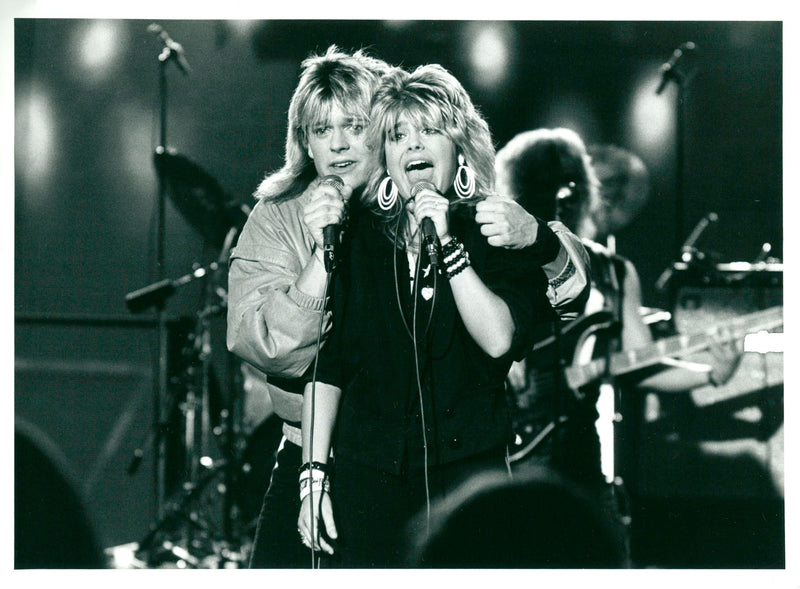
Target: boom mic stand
point(675, 70)
point(171, 52)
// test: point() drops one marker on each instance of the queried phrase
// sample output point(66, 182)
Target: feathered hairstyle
point(431, 97)
point(539, 167)
point(332, 79)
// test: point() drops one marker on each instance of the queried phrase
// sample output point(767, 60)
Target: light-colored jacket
point(271, 324)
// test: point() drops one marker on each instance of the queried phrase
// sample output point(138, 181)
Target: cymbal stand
point(198, 525)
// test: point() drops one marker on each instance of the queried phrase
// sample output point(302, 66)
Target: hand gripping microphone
point(427, 226)
point(330, 232)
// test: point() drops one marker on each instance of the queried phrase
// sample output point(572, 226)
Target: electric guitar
point(627, 361)
point(553, 364)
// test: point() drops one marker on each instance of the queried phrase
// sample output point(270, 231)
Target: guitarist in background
point(549, 173)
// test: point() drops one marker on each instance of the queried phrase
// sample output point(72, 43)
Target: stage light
point(243, 29)
point(397, 25)
point(489, 53)
point(98, 44)
point(651, 118)
point(35, 124)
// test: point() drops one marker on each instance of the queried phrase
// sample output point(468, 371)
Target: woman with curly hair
point(427, 317)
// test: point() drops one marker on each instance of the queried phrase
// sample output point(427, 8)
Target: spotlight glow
point(98, 44)
point(36, 125)
point(652, 117)
point(489, 53)
point(242, 28)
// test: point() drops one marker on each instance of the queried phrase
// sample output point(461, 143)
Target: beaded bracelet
point(450, 248)
point(458, 265)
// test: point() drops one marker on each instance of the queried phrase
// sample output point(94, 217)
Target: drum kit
point(213, 443)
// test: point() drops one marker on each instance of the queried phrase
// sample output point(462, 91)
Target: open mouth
point(418, 166)
point(418, 170)
point(342, 165)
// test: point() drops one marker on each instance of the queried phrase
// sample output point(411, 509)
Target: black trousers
point(277, 543)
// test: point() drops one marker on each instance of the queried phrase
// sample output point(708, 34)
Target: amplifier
point(724, 441)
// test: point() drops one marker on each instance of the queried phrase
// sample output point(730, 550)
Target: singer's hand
point(434, 206)
point(309, 530)
point(325, 207)
point(506, 223)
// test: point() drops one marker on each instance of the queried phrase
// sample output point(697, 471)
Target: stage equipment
point(197, 430)
point(739, 423)
point(196, 433)
point(198, 197)
point(171, 52)
point(680, 70)
point(206, 521)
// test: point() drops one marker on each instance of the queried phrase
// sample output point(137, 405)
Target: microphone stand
point(680, 155)
point(688, 251)
point(671, 71)
point(167, 54)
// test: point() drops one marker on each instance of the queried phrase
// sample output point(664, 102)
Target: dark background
point(86, 188)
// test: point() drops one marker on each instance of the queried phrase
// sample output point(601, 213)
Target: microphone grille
point(420, 186)
point(335, 181)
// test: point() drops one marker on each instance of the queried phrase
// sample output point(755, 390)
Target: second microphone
point(428, 229)
point(331, 232)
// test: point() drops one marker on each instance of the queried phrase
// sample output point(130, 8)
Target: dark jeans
point(277, 543)
point(376, 512)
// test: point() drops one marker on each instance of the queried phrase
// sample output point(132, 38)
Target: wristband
point(321, 466)
point(316, 484)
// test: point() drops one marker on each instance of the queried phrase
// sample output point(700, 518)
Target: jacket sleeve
point(271, 324)
point(568, 275)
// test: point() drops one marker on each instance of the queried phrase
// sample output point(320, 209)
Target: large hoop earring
point(464, 183)
point(387, 194)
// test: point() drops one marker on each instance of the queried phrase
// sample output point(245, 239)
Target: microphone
point(688, 251)
point(668, 69)
point(173, 48)
point(427, 226)
point(330, 232)
point(688, 245)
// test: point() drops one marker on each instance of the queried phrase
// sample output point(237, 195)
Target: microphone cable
point(412, 333)
point(315, 560)
point(419, 379)
point(416, 282)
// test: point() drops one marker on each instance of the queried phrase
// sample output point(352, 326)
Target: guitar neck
point(629, 361)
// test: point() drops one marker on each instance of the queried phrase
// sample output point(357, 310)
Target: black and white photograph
point(341, 291)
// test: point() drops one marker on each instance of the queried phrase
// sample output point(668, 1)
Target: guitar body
point(545, 404)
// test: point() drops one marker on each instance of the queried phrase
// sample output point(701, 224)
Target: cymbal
point(199, 198)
